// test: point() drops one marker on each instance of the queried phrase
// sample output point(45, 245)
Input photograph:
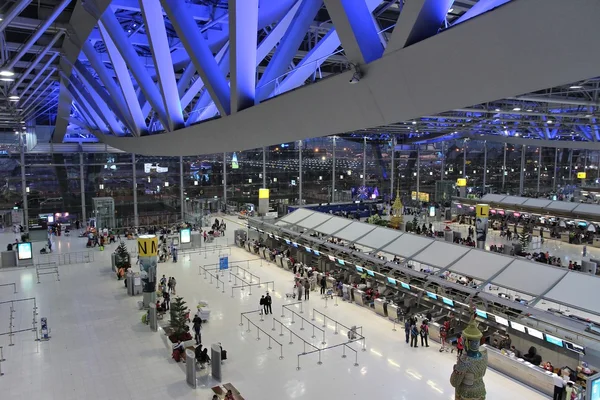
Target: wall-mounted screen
point(501, 321)
point(391, 281)
point(307, 249)
point(331, 258)
point(185, 235)
point(481, 314)
point(535, 333)
point(595, 392)
point(341, 262)
point(295, 244)
point(370, 273)
point(405, 285)
point(359, 268)
point(448, 302)
point(24, 251)
point(316, 253)
point(574, 347)
point(432, 295)
point(517, 327)
point(287, 241)
point(554, 340)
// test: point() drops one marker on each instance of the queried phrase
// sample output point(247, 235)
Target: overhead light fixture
point(550, 121)
point(6, 72)
point(450, 10)
point(414, 122)
point(24, 127)
point(22, 122)
point(529, 110)
point(497, 110)
point(576, 87)
point(14, 97)
point(6, 79)
point(516, 109)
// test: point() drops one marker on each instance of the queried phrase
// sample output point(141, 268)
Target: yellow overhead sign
point(461, 182)
point(263, 193)
point(147, 246)
point(482, 210)
point(581, 175)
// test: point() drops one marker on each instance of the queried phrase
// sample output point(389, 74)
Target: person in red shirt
point(459, 346)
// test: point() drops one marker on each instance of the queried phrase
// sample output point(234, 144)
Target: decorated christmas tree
point(523, 238)
point(179, 320)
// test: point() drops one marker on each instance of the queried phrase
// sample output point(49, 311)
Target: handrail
point(344, 347)
point(292, 333)
point(285, 307)
point(253, 284)
point(14, 285)
point(33, 328)
point(258, 330)
point(360, 335)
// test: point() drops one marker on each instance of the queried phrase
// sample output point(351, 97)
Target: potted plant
point(179, 318)
point(122, 260)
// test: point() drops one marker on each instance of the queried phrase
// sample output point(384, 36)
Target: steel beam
point(82, 189)
point(197, 11)
point(479, 8)
point(113, 28)
point(38, 87)
point(135, 202)
point(274, 37)
point(36, 35)
point(103, 120)
point(194, 89)
point(161, 54)
point(37, 60)
point(184, 80)
point(418, 20)
point(85, 109)
point(243, 25)
point(37, 76)
point(300, 172)
point(128, 97)
point(13, 12)
point(199, 53)
point(284, 54)
point(356, 27)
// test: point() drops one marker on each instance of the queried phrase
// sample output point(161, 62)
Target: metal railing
point(79, 257)
point(302, 319)
point(12, 332)
point(49, 268)
point(357, 330)
point(14, 285)
point(258, 330)
point(250, 285)
point(344, 347)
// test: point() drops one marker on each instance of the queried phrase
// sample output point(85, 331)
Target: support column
point(364, 180)
point(225, 181)
point(522, 174)
point(136, 216)
point(299, 172)
point(443, 164)
point(539, 168)
point(181, 191)
point(264, 173)
point(504, 168)
point(484, 165)
point(24, 185)
point(570, 165)
point(393, 169)
point(418, 172)
point(555, 167)
point(333, 174)
point(464, 174)
point(82, 190)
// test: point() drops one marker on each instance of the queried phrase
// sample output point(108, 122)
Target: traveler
point(204, 358)
point(167, 301)
point(459, 345)
point(414, 333)
point(178, 351)
point(268, 302)
point(424, 334)
point(559, 387)
point(170, 284)
point(323, 284)
point(407, 329)
point(173, 283)
point(263, 304)
point(306, 289)
point(197, 329)
point(300, 289)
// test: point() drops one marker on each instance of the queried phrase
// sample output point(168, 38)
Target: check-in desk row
point(531, 375)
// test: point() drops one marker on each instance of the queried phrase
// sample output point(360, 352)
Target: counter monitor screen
point(295, 244)
point(341, 262)
point(574, 347)
point(287, 241)
point(535, 333)
point(517, 327)
point(24, 251)
point(391, 281)
point(432, 295)
point(370, 273)
point(308, 249)
point(554, 340)
point(316, 253)
point(448, 301)
point(405, 285)
point(359, 268)
point(332, 258)
point(501, 321)
point(481, 314)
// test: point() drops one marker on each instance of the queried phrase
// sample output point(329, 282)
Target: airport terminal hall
point(299, 199)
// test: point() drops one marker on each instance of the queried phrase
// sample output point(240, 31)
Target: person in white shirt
point(559, 387)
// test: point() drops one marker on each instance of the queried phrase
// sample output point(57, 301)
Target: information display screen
point(331, 258)
point(574, 347)
point(517, 326)
point(24, 251)
point(391, 281)
point(370, 273)
point(405, 285)
point(316, 253)
point(307, 249)
point(481, 314)
point(185, 235)
point(295, 244)
point(501, 321)
point(359, 268)
point(595, 393)
point(448, 301)
point(554, 340)
point(341, 262)
point(432, 295)
point(535, 333)
point(287, 241)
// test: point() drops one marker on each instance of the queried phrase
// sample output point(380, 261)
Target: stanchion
point(343, 351)
point(261, 317)
point(291, 341)
point(335, 304)
point(2, 354)
point(394, 327)
point(335, 332)
point(325, 301)
point(302, 325)
point(313, 335)
point(257, 333)
point(281, 330)
point(304, 351)
point(273, 324)
point(248, 330)
point(355, 359)
point(319, 362)
point(269, 348)
point(2, 359)
point(298, 367)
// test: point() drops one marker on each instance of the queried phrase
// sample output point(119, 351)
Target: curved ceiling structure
point(174, 77)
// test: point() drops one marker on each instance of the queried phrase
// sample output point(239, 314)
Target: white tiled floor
point(100, 350)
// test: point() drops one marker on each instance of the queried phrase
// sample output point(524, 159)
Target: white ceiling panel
point(314, 220)
point(354, 231)
point(537, 202)
point(378, 237)
point(514, 200)
point(579, 290)
point(441, 254)
point(561, 206)
point(333, 225)
point(296, 216)
point(408, 245)
point(492, 198)
point(529, 277)
point(481, 264)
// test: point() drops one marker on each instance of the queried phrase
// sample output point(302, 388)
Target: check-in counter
point(381, 307)
point(348, 292)
point(279, 260)
point(249, 246)
point(531, 375)
point(596, 242)
point(434, 332)
point(330, 282)
point(392, 312)
point(286, 264)
point(359, 298)
point(564, 237)
point(264, 253)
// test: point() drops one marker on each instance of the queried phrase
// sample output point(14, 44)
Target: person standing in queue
point(414, 333)
point(407, 329)
point(559, 387)
point(459, 345)
point(323, 284)
point(268, 302)
point(300, 289)
point(306, 289)
point(424, 333)
point(263, 304)
point(197, 329)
